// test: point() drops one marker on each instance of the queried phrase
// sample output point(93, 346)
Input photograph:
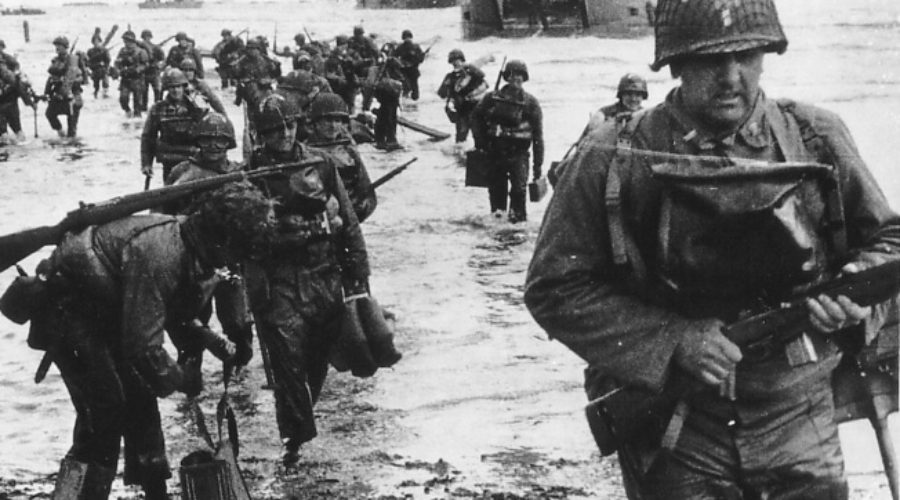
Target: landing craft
point(174, 4)
point(628, 18)
point(404, 4)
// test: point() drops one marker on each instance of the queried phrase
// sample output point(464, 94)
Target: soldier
point(362, 50)
point(632, 91)
point(340, 74)
point(462, 88)
point(256, 74)
point(184, 49)
point(410, 56)
point(319, 261)
point(168, 136)
point(387, 89)
point(214, 137)
point(63, 89)
point(226, 53)
point(330, 131)
point(8, 60)
point(506, 124)
point(115, 287)
point(301, 87)
point(98, 61)
point(637, 270)
point(13, 86)
point(131, 67)
point(156, 62)
point(197, 86)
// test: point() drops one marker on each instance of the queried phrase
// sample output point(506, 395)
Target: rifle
point(112, 33)
point(245, 30)
point(165, 40)
point(308, 36)
point(16, 246)
point(500, 74)
point(275, 40)
point(624, 412)
point(72, 48)
point(390, 175)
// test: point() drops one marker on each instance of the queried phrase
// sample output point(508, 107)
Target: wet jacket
point(226, 52)
point(362, 48)
point(344, 248)
point(144, 269)
point(198, 86)
point(156, 58)
point(9, 61)
point(65, 77)
point(98, 58)
point(168, 131)
point(256, 68)
point(353, 173)
point(509, 140)
point(410, 54)
point(616, 111)
point(465, 84)
point(579, 295)
point(131, 63)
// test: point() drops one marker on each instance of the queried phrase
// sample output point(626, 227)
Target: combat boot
point(291, 452)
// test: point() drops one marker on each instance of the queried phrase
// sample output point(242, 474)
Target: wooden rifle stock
point(16, 246)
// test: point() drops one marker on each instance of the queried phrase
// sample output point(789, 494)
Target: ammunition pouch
point(82, 481)
point(175, 153)
point(23, 298)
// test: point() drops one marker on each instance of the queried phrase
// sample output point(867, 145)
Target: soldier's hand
point(829, 315)
point(147, 170)
point(707, 354)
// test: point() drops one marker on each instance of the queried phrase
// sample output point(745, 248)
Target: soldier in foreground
point(633, 275)
point(506, 124)
point(116, 287)
point(167, 136)
point(319, 262)
point(131, 67)
point(462, 88)
point(63, 89)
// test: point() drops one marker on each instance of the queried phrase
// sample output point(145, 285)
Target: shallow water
point(480, 386)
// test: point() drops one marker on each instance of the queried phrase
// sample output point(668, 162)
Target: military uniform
point(410, 56)
point(340, 75)
point(628, 274)
point(387, 87)
point(462, 89)
point(353, 173)
point(63, 91)
point(131, 66)
point(200, 87)
point(99, 61)
point(167, 136)
point(156, 59)
point(508, 145)
point(297, 296)
point(178, 53)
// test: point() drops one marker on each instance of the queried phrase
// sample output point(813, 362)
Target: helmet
point(236, 216)
point(358, 30)
point(226, 32)
point(406, 34)
point(173, 77)
point(188, 64)
point(276, 112)
point(715, 27)
point(215, 125)
point(146, 34)
point(300, 38)
point(61, 40)
point(181, 35)
point(454, 55)
point(632, 83)
point(515, 66)
point(341, 40)
point(254, 43)
point(128, 36)
point(328, 104)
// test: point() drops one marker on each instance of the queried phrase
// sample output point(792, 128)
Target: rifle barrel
point(390, 175)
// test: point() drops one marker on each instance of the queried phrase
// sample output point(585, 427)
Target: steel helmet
point(454, 55)
point(173, 77)
point(62, 41)
point(685, 27)
point(254, 43)
point(215, 125)
point(276, 112)
point(358, 31)
point(632, 83)
point(226, 32)
point(128, 36)
point(146, 34)
point(181, 35)
point(188, 64)
point(406, 34)
point(515, 66)
point(300, 38)
point(328, 104)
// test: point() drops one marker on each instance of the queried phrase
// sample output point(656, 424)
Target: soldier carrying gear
point(226, 53)
point(643, 259)
point(63, 88)
point(198, 87)
point(182, 50)
point(301, 87)
point(167, 136)
point(410, 55)
point(131, 67)
point(99, 63)
point(462, 88)
point(506, 124)
point(156, 61)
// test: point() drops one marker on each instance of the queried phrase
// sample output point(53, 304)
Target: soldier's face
point(280, 139)
point(61, 49)
point(719, 89)
point(329, 127)
point(632, 100)
point(177, 92)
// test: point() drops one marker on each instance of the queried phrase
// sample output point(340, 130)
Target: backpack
point(505, 111)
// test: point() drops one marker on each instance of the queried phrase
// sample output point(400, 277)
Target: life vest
point(506, 120)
